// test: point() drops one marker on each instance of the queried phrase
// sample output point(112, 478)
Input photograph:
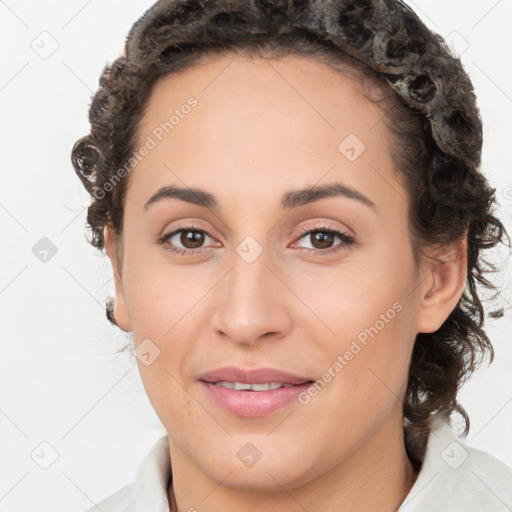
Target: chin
point(278, 466)
point(266, 480)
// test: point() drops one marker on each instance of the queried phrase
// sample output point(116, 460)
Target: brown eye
point(322, 240)
point(185, 240)
point(191, 239)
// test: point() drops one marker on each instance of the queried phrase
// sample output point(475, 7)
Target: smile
point(243, 386)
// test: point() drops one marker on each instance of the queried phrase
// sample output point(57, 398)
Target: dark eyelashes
point(346, 240)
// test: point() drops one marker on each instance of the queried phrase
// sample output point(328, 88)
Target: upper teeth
point(240, 386)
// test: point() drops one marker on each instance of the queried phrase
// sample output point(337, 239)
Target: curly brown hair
point(430, 110)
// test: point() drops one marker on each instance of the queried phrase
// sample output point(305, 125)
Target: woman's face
point(266, 240)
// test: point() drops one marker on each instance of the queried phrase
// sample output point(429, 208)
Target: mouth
point(244, 386)
point(252, 393)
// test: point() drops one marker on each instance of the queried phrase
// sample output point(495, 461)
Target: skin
point(260, 129)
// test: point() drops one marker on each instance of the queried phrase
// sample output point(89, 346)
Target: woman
point(290, 196)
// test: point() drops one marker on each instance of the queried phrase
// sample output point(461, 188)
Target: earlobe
point(442, 283)
point(120, 311)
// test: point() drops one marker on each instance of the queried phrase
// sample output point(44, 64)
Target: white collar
point(457, 477)
point(152, 478)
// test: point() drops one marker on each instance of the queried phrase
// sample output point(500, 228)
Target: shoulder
point(457, 477)
point(149, 490)
point(120, 501)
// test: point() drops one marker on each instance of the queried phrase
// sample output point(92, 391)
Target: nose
point(253, 303)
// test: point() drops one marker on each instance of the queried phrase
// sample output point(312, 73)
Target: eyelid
point(328, 224)
point(320, 227)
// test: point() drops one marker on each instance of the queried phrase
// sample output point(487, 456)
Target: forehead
point(298, 85)
point(263, 124)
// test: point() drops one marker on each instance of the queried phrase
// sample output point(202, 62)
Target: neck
point(379, 476)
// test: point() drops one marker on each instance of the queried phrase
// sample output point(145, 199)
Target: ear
point(443, 278)
point(120, 310)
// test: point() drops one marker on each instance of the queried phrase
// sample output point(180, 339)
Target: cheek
point(371, 294)
point(161, 297)
point(170, 305)
point(370, 310)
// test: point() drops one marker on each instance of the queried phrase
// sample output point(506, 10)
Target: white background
point(65, 378)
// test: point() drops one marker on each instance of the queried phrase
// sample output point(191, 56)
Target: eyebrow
point(291, 199)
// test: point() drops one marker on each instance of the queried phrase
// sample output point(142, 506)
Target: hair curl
point(431, 113)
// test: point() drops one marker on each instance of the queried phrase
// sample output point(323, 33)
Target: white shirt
point(453, 477)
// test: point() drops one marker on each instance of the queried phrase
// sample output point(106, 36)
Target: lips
point(255, 376)
point(252, 393)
